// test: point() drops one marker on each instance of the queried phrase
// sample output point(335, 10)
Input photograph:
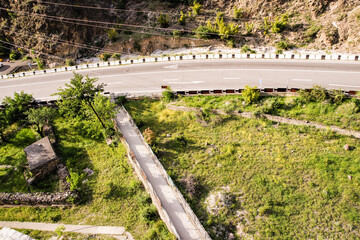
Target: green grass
point(112, 196)
point(284, 181)
point(36, 234)
point(345, 115)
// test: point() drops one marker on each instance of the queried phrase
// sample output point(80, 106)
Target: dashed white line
point(301, 80)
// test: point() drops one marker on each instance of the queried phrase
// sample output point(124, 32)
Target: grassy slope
point(345, 115)
point(286, 181)
point(112, 196)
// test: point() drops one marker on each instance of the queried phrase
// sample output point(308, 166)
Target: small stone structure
point(41, 158)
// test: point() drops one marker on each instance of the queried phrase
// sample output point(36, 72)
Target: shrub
point(149, 136)
point(116, 56)
point(176, 33)
point(163, 20)
point(121, 100)
point(280, 23)
point(167, 95)
point(266, 26)
point(270, 105)
point(237, 13)
point(245, 49)
point(316, 94)
point(105, 56)
point(14, 55)
point(336, 96)
point(204, 32)
point(311, 32)
point(182, 19)
point(282, 45)
point(279, 51)
point(150, 214)
point(112, 34)
point(347, 109)
point(251, 94)
point(249, 27)
point(231, 43)
point(70, 62)
point(40, 63)
point(196, 8)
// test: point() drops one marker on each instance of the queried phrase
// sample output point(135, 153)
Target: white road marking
point(193, 82)
point(171, 79)
point(301, 80)
point(31, 84)
point(232, 78)
point(172, 66)
point(114, 83)
point(341, 85)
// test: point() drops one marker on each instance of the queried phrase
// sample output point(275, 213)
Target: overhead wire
point(62, 19)
point(15, 45)
point(128, 10)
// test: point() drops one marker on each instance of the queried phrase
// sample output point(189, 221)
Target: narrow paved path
point(119, 232)
point(181, 221)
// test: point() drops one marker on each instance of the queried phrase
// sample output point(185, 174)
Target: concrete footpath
point(118, 232)
point(185, 228)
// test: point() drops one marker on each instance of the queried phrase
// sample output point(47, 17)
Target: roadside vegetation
point(109, 192)
point(253, 177)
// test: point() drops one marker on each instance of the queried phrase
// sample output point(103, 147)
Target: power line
point(129, 10)
point(14, 45)
point(79, 45)
point(50, 17)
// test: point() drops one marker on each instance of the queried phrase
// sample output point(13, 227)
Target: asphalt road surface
point(147, 79)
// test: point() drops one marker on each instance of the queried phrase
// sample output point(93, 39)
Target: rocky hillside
point(39, 27)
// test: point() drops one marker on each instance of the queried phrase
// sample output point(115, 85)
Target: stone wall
point(37, 198)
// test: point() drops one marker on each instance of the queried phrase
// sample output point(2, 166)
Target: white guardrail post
point(236, 55)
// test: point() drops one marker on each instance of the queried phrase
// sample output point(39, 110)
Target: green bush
point(245, 49)
point(280, 23)
point(182, 19)
point(40, 63)
point(270, 105)
point(150, 214)
point(168, 95)
point(196, 8)
point(316, 94)
point(163, 20)
point(282, 45)
point(116, 56)
point(70, 62)
point(105, 56)
point(14, 55)
point(249, 27)
point(121, 100)
point(237, 13)
point(250, 94)
point(204, 32)
point(266, 26)
point(176, 34)
point(112, 34)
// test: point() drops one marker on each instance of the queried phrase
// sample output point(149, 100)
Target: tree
point(16, 107)
point(41, 117)
point(80, 91)
point(3, 125)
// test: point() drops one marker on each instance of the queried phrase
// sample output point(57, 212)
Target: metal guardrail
point(334, 57)
point(179, 196)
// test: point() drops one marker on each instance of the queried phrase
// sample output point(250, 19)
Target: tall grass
point(285, 181)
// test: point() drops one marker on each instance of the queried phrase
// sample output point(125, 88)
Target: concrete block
point(237, 55)
point(217, 56)
point(177, 57)
point(281, 56)
point(288, 56)
point(244, 55)
point(303, 56)
point(258, 55)
point(318, 57)
point(267, 55)
point(172, 58)
point(211, 56)
point(252, 56)
point(273, 56)
point(327, 57)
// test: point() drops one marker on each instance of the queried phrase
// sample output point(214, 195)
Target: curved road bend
point(199, 75)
